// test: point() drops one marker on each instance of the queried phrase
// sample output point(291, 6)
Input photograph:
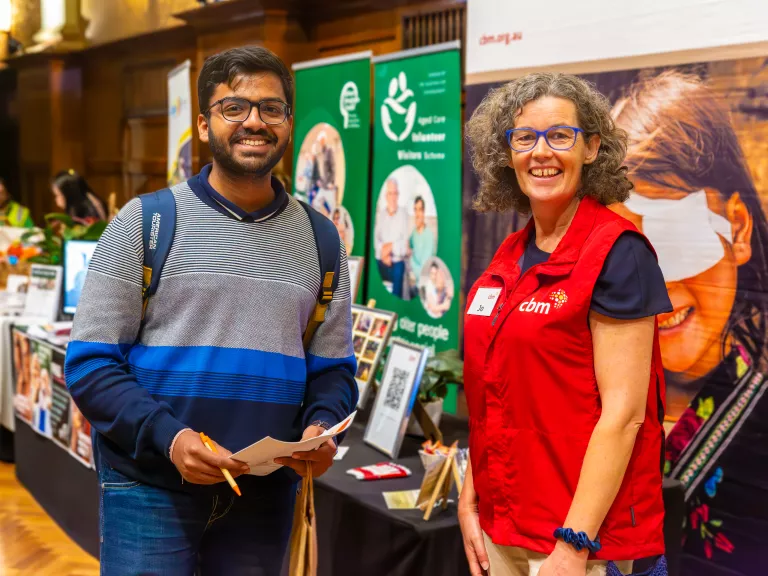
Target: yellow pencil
point(209, 444)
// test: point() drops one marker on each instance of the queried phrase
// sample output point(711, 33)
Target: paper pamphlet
point(341, 452)
point(403, 500)
point(261, 455)
point(43, 292)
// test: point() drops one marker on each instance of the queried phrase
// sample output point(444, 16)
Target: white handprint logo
point(396, 104)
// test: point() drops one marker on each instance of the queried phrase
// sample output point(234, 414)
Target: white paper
point(261, 455)
point(43, 292)
point(341, 452)
point(483, 302)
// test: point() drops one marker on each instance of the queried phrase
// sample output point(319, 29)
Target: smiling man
point(219, 350)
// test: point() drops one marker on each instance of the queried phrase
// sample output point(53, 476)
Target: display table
point(357, 534)
point(67, 490)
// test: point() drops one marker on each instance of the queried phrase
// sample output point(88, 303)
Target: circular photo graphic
point(405, 232)
point(343, 222)
point(321, 169)
point(436, 287)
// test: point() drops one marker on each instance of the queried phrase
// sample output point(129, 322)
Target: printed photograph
point(43, 389)
point(343, 222)
point(22, 369)
point(380, 327)
point(405, 230)
point(80, 441)
point(364, 371)
point(365, 323)
point(698, 158)
point(321, 169)
point(371, 349)
point(355, 264)
point(358, 343)
point(355, 316)
point(436, 287)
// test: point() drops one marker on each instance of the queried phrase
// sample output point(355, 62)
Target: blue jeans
point(149, 530)
point(395, 274)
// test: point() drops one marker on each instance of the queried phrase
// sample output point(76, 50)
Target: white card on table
point(484, 301)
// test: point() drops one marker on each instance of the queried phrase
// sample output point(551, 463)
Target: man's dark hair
point(224, 67)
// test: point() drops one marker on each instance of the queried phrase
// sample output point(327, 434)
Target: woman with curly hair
point(695, 200)
point(563, 374)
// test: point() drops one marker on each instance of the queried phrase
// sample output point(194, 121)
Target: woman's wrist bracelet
point(578, 540)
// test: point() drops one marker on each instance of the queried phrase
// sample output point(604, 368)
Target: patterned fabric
point(718, 451)
point(658, 569)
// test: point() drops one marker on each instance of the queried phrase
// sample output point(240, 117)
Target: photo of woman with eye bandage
point(696, 201)
point(698, 159)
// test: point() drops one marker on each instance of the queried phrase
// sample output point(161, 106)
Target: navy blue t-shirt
point(630, 284)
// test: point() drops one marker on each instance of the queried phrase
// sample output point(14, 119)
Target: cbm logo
point(535, 307)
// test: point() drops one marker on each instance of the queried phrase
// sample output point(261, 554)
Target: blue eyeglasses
point(557, 137)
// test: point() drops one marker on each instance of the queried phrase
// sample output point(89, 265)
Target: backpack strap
point(158, 221)
point(329, 253)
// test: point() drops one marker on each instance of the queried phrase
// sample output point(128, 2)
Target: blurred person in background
point(13, 213)
point(75, 198)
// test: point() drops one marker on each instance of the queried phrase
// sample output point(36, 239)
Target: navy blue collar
point(206, 193)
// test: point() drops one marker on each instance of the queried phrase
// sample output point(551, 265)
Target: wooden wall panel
point(376, 31)
point(35, 138)
point(105, 112)
point(125, 99)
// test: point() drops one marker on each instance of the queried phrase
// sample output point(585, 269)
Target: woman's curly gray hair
point(605, 179)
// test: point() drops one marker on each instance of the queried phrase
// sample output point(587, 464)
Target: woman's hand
point(565, 561)
point(474, 547)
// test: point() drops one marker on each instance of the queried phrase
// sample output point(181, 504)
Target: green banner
point(331, 155)
point(415, 252)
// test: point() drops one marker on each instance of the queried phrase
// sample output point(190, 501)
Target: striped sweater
point(220, 349)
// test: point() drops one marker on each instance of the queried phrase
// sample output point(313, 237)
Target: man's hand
point(386, 253)
point(321, 458)
point(199, 465)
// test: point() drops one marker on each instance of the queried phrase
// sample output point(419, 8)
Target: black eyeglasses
point(239, 109)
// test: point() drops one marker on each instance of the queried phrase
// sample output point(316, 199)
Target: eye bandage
point(685, 233)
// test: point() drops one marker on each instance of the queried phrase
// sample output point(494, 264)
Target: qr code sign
point(396, 388)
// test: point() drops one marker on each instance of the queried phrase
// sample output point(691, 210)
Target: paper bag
point(303, 549)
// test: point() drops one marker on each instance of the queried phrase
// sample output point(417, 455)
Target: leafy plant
point(59, 228)
point(442, 369)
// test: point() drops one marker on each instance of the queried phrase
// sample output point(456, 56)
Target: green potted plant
point(58, 229)
point(442, 369)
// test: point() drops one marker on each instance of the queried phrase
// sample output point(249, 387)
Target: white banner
point(179, 125)
point(506, 35)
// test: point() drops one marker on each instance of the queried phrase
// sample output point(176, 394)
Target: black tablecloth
point(358, 534)
point(67, 490)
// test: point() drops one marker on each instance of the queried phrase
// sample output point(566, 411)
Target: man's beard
point(255, 166)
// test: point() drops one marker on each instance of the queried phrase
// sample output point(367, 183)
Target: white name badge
point(484, 301)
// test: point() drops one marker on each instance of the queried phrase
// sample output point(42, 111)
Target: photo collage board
point(42, 400)
point(371, 329)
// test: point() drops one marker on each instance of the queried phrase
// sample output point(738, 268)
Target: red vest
point(533, 400)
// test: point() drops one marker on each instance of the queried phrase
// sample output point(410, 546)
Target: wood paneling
point(50, 126)
point(104, 113)
point(125, 105)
